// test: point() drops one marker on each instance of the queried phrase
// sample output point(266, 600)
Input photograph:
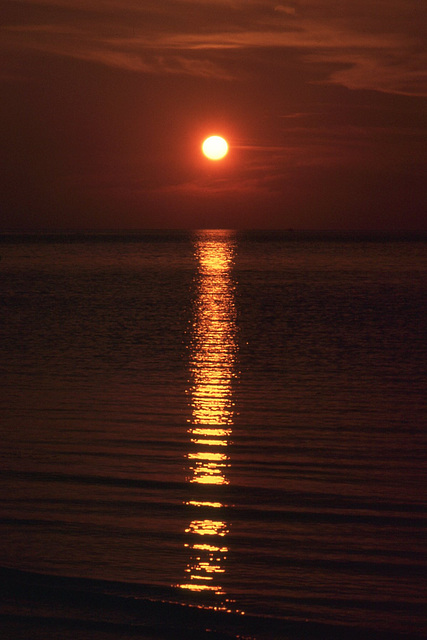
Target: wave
point(54, 606)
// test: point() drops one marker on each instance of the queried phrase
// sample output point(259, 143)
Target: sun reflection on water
point(212, 370)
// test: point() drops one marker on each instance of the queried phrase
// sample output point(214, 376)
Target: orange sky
point(105, 105)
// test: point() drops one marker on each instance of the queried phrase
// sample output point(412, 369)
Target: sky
point(105, 105)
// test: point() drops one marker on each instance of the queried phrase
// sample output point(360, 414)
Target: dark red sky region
point(105, 104)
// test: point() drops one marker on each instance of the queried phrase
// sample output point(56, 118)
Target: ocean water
point(213, 433)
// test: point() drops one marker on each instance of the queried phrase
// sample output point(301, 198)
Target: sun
point(215, 148)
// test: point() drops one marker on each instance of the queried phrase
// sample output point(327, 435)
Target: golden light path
point(212, 369)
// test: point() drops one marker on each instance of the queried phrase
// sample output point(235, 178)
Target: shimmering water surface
point(232, 421)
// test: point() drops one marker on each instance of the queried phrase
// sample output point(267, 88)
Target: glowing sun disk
point(215, 148)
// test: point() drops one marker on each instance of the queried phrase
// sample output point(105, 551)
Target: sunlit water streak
point(304, 501)
point(212, 369)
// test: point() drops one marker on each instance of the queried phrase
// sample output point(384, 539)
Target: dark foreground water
point(213, 434)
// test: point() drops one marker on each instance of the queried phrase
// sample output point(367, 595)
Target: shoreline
point(45, 607)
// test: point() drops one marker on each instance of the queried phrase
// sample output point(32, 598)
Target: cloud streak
point(367, 46)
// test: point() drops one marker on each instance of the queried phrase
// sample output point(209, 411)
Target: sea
point(213, 434)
